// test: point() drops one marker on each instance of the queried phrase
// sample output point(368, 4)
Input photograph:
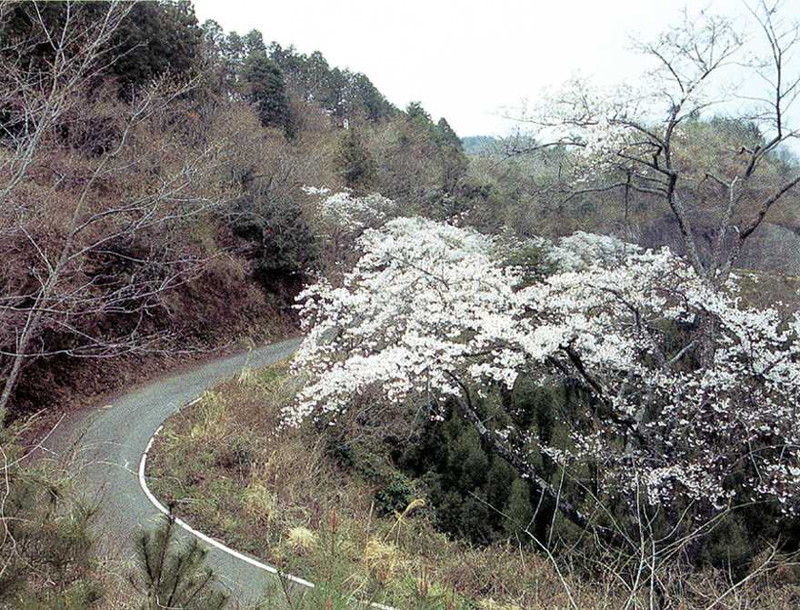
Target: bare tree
point(36, 94)
point(94, 194)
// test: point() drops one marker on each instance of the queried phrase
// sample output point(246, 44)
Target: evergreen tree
point(233, 48)
point(317, 77)
point(355, 163)
point(173, 575)
point(337, 100)
point(266, 90)
point(157, 38)
point(447, 137)
point(254, 43)
point(417, 113)
point(368, 100)
point(153, 39)
point(213, 34)
point(451, 153)
point(342, 93)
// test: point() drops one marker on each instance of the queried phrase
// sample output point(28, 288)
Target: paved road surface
point(111, 442)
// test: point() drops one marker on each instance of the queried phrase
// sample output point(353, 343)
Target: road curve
point(110, 443)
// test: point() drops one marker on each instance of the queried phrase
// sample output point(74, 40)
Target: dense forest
point(579, 342)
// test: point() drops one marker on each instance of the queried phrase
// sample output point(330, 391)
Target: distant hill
point(480, 145)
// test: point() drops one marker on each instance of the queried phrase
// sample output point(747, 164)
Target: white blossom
point(434, 310)
point(352, 213)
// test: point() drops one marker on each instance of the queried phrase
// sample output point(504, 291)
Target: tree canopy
point(431, 312)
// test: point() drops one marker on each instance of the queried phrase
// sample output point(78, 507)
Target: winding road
point(111, 440)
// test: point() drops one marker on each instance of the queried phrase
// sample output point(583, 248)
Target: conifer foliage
point(172, 574)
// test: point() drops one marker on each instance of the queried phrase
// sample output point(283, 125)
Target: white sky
point(466, 60)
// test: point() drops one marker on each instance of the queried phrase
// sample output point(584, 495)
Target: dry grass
point(282, 498)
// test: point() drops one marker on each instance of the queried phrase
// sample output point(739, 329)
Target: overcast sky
point(467, 60)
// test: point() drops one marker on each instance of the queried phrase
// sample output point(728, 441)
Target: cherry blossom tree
point(636, 138)
point(434, 313)
point(341, 217)
point(350, 213)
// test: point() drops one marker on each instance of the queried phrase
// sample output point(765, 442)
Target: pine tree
point(157, 38)
point(451, 153)
point(416, 112)
point(267, 91)
point(447, 137)
point(355, 163)
point(172, 575)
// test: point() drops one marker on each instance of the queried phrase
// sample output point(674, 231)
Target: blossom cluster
point(352, 213)
point(694, 395)
point(598, 122)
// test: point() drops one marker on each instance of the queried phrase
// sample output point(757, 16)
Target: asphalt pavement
point(111, 440)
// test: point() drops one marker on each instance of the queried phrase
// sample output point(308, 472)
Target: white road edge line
point(208, 539)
